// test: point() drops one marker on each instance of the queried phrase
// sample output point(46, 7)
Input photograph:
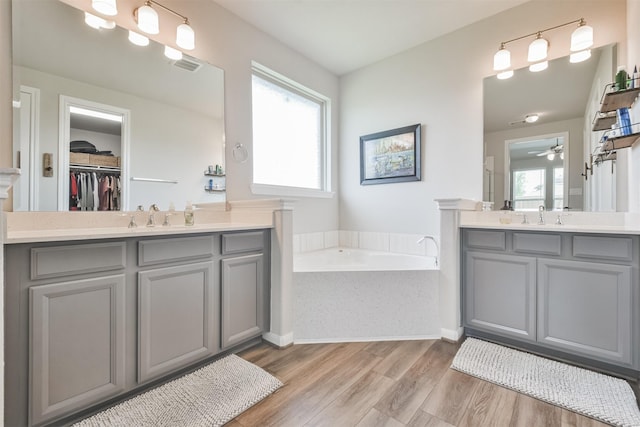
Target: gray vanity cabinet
point(574, 296)
point(501, 293)
point(176, 317)
point(586, 308)
point(243, 287)
point(77, 344)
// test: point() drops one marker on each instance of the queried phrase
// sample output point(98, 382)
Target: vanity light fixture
point(148, 22)
point(138, 39)
point(172, 53)
point(105, 7)
point(581, 41)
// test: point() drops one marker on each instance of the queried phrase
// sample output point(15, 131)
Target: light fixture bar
point(535, 33)
point(184, 18)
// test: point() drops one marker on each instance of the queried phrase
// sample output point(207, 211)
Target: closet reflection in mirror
point(173, 112)
point(565, 97)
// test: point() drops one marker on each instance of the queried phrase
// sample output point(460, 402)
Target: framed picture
point(390, 156)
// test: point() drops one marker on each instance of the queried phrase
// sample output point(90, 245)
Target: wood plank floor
point(399, 383)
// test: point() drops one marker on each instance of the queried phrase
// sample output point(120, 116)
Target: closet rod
point(96, 168)
point(164, 181)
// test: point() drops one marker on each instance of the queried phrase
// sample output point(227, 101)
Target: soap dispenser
point(188, 214)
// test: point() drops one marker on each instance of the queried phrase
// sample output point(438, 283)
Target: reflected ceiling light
point(505, 75)
point(531, 118)
point(581, 39)
point(580, 56)
point(147, 19)
point(95, 114)
point(551, 156)
point(539, 66)
point(138, 39)
point(96, 22)
point(172, 53)
point(105, 7)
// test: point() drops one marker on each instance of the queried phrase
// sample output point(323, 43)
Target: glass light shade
point(172, 53)
point(531, 118)
point(537, 50)
point(185, 37)
point(105, 7)
point(551, 156)
point(580, 56)
point(93, 21)
point(581, 38)
point(501, 60)
point(138, 39)
point(539, 66)
point(505, 75)
point(147, 20)
point(109, 25)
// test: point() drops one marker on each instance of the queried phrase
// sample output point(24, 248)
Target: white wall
point(633, 58)
point(439, 84)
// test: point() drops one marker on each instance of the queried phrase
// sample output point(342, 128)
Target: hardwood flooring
point(388, 384)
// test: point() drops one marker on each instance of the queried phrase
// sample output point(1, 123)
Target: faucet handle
point(525, 220)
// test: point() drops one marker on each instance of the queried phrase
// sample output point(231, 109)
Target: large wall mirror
point(90, 105)
point(541, 162)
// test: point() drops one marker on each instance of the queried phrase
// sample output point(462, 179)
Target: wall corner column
point(281, 331)
point(449, 283)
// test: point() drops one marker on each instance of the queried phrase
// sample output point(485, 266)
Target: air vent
point(188, 63)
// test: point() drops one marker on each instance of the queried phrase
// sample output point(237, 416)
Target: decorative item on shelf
point(581, 41)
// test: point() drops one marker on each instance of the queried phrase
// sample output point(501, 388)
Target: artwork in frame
point(390, 156)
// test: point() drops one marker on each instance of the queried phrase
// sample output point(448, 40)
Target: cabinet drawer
point(486, 239)
point(151, 252)
point(599, 247)
point(56, 261)
point(547, 244)
point(242, 242)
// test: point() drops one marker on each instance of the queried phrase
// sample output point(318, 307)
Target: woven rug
point(604, 398)
point(210, 396)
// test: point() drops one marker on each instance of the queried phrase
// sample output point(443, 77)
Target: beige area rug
point(604, 398)
point(210, 396)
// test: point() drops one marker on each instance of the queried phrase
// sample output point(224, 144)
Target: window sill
point(277, 190)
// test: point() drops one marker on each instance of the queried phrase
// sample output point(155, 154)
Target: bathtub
point(346, 294)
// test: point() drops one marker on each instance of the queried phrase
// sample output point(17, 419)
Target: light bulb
point(562, 156)
point(539, 66)
point(580, 56)
point(505, 75)
point(138, 39)
point(502, 60)
point(531, 118)
point(93, 21)
point(551, 156)
point(185, 37)
point(582, 37)
point(147, 19)
point(172, 53)
point(537, 50)
point(105, 7)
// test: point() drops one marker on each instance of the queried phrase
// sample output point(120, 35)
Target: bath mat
point(595, 395)
point(210, 396)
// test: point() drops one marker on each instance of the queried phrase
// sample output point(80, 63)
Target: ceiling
point(344, 35)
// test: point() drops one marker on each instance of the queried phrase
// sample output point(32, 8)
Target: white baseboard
point(364, 339)
point(278, 340)
point(451, 335)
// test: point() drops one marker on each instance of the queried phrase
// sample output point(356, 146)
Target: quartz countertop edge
point(70, 234)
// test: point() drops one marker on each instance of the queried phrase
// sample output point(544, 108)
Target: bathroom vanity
point(90, 320)
point(568, 294)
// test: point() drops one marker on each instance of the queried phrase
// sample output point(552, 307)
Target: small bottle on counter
point(188, 214)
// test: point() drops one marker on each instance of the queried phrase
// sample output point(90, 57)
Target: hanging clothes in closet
point(94, 191)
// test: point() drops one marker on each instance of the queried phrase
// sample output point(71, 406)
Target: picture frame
point(390, 156)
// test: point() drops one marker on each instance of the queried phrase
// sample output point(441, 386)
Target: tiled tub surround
point(392, 303)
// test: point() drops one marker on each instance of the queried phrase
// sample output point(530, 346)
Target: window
point(289, 136)
point(558, 188)
point(528, 189)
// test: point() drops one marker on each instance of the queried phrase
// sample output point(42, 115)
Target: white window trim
point(287, 191)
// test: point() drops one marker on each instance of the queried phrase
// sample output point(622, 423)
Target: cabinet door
point(242, 298)
point(177, 322)
point(77, 336)
point(500, 294)
point(585, 308)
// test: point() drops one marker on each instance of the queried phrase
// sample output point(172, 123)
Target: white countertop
point(573, 222)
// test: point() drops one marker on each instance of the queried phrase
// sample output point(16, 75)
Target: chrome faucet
point(541, 215)
point(435, 242)
point(151, 222)
point(132, 220)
